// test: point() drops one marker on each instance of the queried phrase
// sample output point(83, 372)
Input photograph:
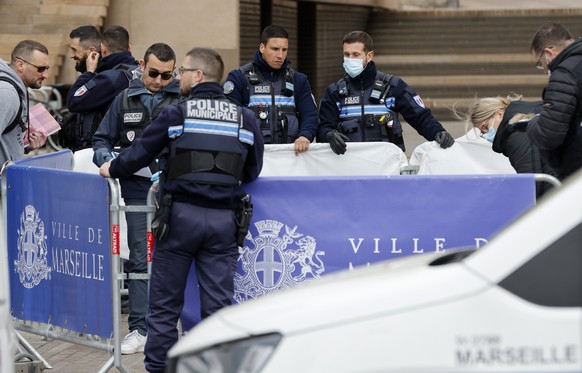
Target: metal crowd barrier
point(9, 321)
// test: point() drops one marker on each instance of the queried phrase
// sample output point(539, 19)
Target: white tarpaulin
point(470, 154)
point(360, 159)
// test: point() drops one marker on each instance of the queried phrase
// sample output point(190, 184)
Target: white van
point(514, 305)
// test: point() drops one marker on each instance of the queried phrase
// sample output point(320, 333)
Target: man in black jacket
point(556, 131)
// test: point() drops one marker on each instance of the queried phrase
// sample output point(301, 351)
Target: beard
point(81, 66)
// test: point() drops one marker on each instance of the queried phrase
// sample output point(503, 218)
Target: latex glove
point(444, 139)
point(337, 141)
point(155, 177)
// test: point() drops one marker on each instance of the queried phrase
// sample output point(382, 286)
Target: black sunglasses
point(39, 69)
point(154, 74)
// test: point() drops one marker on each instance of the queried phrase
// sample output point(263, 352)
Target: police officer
point(279, 96)
point(364, 104)
point(213, 146)
point(130, 113)
point(95, 89)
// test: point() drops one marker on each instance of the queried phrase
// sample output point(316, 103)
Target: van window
point(553, 277)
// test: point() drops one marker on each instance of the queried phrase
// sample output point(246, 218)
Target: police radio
point(253, 77)
point(379, 91)
point(343, 88)
point(289, 86)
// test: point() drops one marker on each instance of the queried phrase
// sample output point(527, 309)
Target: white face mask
point(353, 66)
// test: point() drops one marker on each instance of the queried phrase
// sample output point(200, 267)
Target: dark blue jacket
point(101, 87)
point(156, 137)
point(406, 102)
point(92, 93)
point(304, 101)
point(108, 134)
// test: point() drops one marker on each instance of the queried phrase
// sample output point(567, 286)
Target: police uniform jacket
point(95, 91)
point(170, 127)
point(92, 93)
point(117, 129)
point(238, 88)
point(556, 131)
point(401, 98)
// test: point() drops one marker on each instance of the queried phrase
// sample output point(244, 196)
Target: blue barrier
point(58, 240)
point(304, 228)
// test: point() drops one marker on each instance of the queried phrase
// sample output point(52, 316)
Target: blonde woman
point(495, 118)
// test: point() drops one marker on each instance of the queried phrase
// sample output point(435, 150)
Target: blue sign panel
point(305, 228)
point(58, 249)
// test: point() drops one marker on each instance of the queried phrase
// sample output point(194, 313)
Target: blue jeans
point(137, 242)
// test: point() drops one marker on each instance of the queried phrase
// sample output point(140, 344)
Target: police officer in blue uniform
point(364, 104)
point(280, 97)
point(129, 114)
point(95, 89)
point(213, 145)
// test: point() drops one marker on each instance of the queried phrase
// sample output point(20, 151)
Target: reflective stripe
point(211, 127)
point(356, 110)
point(175, 131)
point(265, 100)
point(246, 136)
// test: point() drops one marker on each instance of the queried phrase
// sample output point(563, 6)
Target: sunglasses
point(154, 74)
point(39, 69)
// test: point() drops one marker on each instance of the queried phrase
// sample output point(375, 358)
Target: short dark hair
point(162, 51)
point(89, 36)
point(359, 37)
point(116, 39)
point(25, 48)
point(209, 61)
point(273, 31)
point(549, 35)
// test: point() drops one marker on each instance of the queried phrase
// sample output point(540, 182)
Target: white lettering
point(439, 244)
point(355, 248)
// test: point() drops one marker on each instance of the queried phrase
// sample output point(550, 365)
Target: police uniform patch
point(131, 135)
point(419, 101)
point(228, 87)
point(81, 91)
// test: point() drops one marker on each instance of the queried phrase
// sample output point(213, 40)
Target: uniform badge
point(228, 87)
point(419, 101)
point(81, 91)
point(131, 135)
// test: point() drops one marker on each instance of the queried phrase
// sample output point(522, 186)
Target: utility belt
point(161, 222)
point(378, 127)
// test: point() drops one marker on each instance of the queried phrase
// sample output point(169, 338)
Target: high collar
point(207, 89)
point(264, 67)
point(573, 49)
point(367, 77)
point(136, 88)
point(114, 59)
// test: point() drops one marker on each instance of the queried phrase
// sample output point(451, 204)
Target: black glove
point(444, 139)
point(337, 141)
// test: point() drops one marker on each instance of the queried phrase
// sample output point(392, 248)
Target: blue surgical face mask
point(490, 135)
point(353, 66)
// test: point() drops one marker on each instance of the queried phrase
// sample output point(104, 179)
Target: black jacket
point(523, 155)
point(556, 132)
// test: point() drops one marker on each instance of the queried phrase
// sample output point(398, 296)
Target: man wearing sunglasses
point(556, 130)
point(95, 89)
point(130, 113)
point(28, 68)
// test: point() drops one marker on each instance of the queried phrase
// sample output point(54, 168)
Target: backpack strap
point(18, 120)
